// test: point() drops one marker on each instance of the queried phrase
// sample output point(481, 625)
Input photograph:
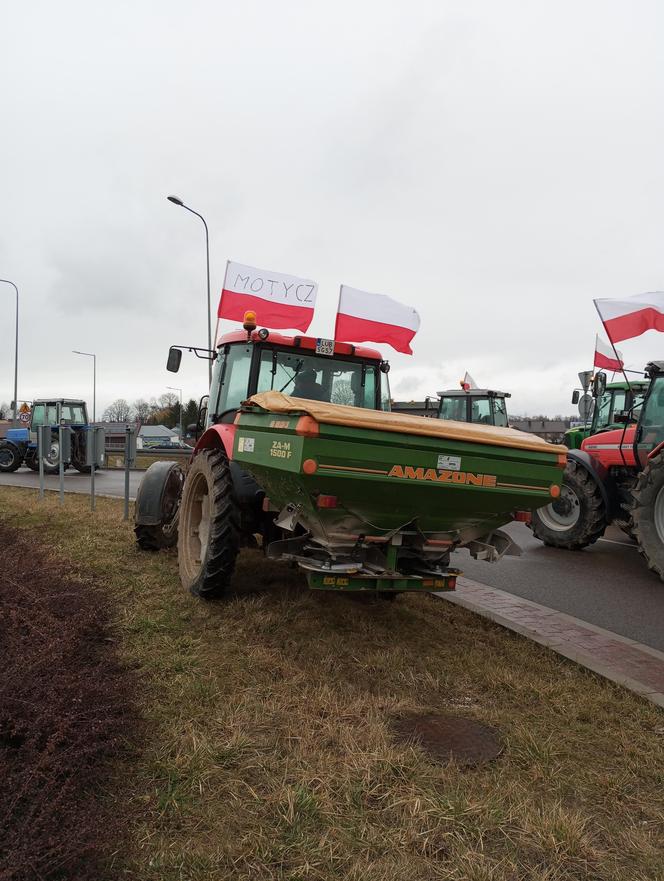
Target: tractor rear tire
point(648, 514)
point(163, 534)
point(10, 458)
point(577, 518)
point(209, 528)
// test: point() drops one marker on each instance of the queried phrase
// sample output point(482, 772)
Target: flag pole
point(629, 386)
point(336, 317)
point(615, 351)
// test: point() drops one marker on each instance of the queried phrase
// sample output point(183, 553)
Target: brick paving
point(629, 663)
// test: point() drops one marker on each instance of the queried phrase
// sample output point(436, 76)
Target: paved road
point(607, 584)
point(108, 483)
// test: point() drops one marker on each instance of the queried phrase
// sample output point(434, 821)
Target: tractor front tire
point(648, 514)
point(577, 518)
point(209, 527)
point(10, 457)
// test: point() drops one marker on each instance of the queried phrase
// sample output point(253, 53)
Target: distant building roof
point(156, 431)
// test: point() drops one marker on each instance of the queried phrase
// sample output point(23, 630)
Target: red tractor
point(616, 477)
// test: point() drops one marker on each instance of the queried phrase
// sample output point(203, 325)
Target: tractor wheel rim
point(51, 458)
point(199, 526)
point(659, 514)
point(561, 521)
point(6, 457)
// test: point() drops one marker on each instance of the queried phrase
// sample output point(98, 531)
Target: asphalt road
point(607, 584)
point(107, 483)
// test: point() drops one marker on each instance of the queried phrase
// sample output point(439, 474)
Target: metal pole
point(6, 281)
point(177, 201)
point(92, 432)
point(126, 492)
point(40, 453)
point(61, 467)
point(174, 388)
point(94, 380)
point(207, 263)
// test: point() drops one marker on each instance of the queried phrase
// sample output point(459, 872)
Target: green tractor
point(613, 403)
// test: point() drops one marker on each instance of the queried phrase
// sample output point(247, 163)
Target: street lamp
point(94, 381)
point(6, 281)
point(177, 201)
point(174, 389)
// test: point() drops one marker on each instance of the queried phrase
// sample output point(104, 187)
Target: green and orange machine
point(301, 456)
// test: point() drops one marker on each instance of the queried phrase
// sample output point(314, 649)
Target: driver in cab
point(305, 386)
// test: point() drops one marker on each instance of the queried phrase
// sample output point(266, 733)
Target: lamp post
point(177, 201)
point(174, 389)
point(6, 281)
point(94, 381)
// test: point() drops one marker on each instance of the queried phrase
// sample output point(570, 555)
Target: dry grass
point(268, 754)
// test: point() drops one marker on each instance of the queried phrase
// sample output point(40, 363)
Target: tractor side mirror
point(174, 358)
point(575, 396)
point(599, 384)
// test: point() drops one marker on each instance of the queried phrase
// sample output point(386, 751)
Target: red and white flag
point(624, 319)
point(363, 317)
point(278, 300)
point(468, 382)
point(605, 357)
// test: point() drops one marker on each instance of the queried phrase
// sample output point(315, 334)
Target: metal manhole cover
point(444, 737)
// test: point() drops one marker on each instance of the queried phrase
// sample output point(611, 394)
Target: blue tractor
point(19, 447)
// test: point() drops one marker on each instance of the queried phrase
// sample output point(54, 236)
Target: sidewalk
point(629, 663)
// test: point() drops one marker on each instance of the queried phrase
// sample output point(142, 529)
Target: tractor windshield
point(611, 402)
point(73, 414)
point(320, 379)
point(500, 412)
point(454, 408)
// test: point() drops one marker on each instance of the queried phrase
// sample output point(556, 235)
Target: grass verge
point(267, 750)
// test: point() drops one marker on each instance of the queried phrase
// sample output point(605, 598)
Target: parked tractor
point(612, 405)
point(616, 477)
point(482, 406)
point(20, 446)
point(299, 455)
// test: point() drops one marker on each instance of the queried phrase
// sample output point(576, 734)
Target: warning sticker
point(449, 463)
point(245, 444)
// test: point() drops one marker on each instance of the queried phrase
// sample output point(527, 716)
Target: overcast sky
point(497, 165)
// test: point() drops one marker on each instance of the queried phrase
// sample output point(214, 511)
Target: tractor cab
point(47, 411)
point(304, 367)
point(482, 406)
point(649, 432)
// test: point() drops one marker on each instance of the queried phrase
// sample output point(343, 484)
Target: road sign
point(584, 378)
point(24, 417)
point(585, 406)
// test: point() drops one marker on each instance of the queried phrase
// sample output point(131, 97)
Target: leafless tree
point(119, 411)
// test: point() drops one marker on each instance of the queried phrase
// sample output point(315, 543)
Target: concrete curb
point(624, 661)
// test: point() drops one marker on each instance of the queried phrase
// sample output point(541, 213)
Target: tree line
point(164, 410)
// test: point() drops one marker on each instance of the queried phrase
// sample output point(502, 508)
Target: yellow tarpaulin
point(379, 420)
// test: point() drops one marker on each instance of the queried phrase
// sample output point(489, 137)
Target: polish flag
point(279, 301)
point(468, 382)
point(376, 318)
point(624, 319)
point(605, 357)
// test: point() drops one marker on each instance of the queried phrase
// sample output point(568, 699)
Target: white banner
point(290, 290)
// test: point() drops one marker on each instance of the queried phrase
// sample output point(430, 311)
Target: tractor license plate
point(324, 347)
